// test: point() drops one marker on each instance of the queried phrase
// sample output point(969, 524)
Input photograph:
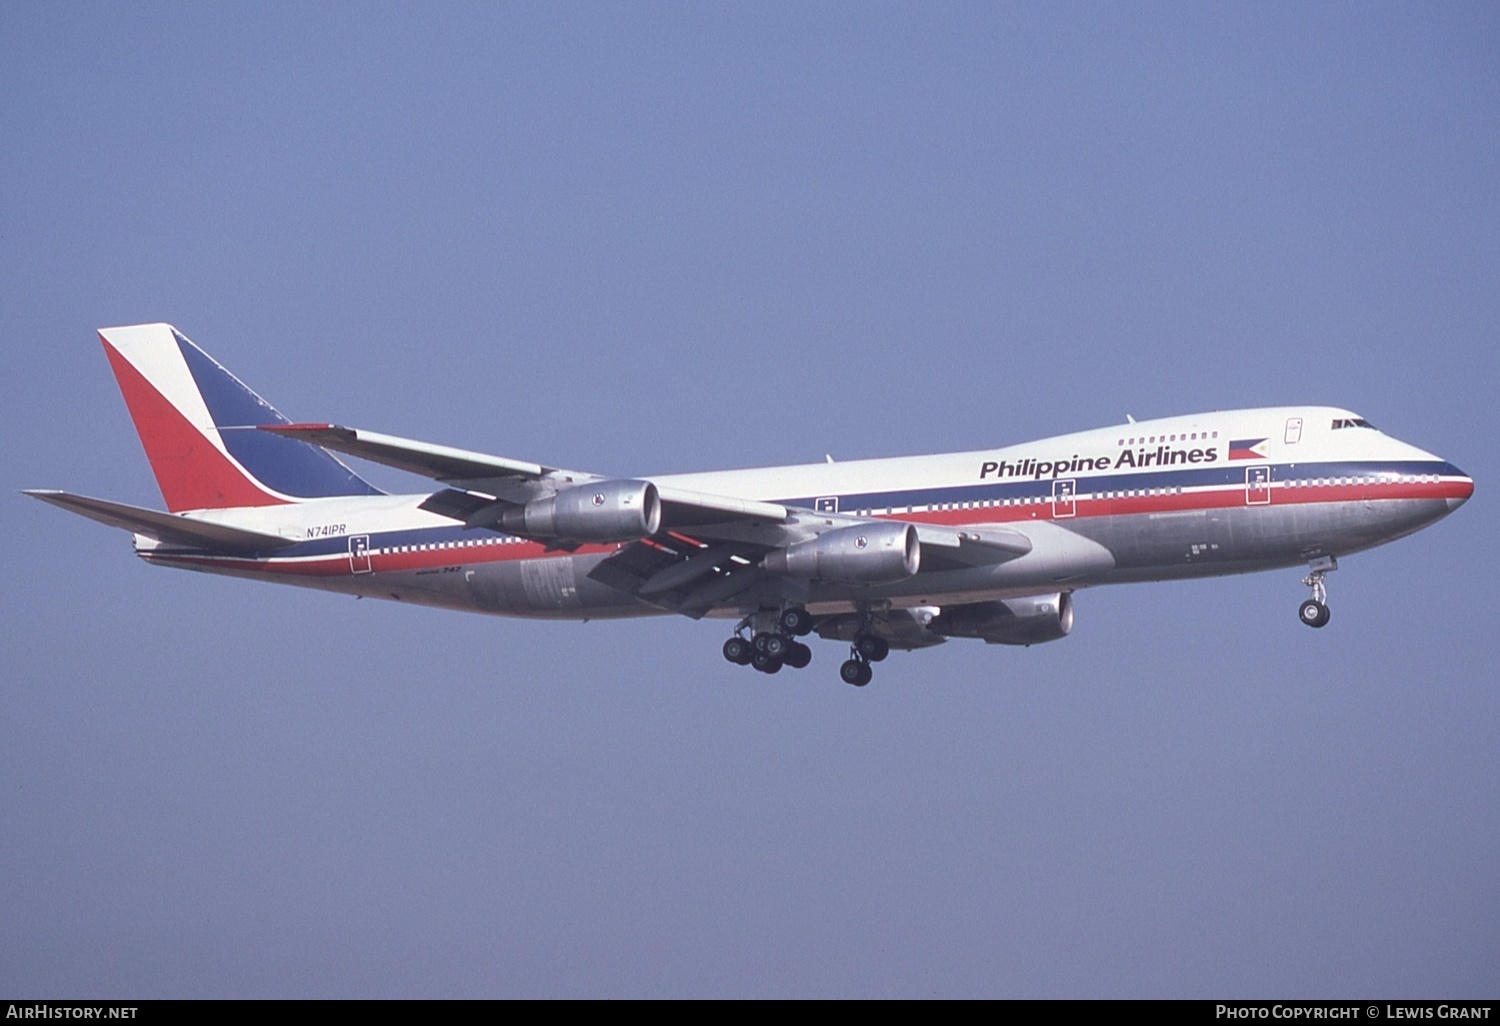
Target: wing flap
point(680, 574)
point(169, 528)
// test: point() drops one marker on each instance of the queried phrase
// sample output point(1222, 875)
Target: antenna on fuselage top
point(1129, 418)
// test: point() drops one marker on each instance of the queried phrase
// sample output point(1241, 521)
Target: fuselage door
point(827, 504)
point(1293, 430)
point(1257, 486)
point(1063, 493)
point(359, 554)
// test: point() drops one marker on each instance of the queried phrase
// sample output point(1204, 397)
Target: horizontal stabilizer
point(168, 528)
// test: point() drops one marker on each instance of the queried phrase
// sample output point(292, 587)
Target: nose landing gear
point(1314, 612)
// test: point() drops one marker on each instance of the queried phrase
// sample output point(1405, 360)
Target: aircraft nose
point(1460, 490)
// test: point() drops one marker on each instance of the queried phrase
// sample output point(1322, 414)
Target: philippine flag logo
point(1248, 449)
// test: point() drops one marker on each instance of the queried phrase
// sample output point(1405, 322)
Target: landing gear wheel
point(777, 645)
point(798, 655)
point(871, 647)
point(856, 672)
point(766, 663)
point(1314, 613)
point(796, 621)
point(738, 651)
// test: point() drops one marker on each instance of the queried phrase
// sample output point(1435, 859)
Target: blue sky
point(650, 238)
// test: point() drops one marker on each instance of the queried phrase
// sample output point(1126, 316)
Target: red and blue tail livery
point(899, 553)
point(199, 423)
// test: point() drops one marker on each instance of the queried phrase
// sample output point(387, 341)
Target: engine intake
point(882, 553)
point(605, 511)
point(1022, 621)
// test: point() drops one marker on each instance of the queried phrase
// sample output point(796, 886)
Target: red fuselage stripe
point(1085, 507)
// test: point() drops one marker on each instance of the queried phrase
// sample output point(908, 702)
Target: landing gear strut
point(1314, 612)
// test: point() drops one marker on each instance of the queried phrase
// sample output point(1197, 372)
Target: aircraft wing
point(169, 528)
point(507, 481)
point(440, 462)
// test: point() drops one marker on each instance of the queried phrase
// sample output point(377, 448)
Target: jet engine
point(879, 553)
point(1022, 621)
point(605, 511)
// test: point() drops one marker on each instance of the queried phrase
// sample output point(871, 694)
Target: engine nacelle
point(605, 511)
point(1022, 621)
point(881, 553)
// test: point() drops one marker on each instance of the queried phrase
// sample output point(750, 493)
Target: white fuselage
point(1179, 497)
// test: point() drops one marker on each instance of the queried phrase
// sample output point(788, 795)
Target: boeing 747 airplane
point(890, 553)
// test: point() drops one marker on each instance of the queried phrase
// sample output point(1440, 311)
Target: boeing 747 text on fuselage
point(891, 553)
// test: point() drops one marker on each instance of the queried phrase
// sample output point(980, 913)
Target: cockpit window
point(1353, 422)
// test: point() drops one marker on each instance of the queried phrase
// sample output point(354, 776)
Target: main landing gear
point(1314, 612)
point(773, 643)
point(866, 649)
point(767, 641)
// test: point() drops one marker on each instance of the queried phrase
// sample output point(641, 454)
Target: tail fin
point(198, 424)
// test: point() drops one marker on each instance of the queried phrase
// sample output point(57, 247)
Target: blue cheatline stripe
point(1087, 485)
point(281, 464)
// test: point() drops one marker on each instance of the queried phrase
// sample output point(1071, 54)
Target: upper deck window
point(1353, 422)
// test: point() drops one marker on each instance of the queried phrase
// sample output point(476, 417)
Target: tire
point(798, 655)
point(856, 672)
point(797, 622)
point(777, 646)
point(1314, 613)
point(765, 663)
point(872, 648)
point(737, 650)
